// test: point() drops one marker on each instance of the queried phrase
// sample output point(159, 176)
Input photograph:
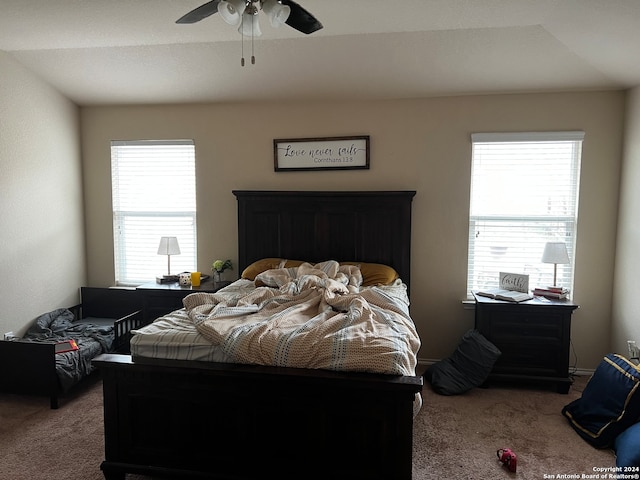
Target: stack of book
point(558, 293)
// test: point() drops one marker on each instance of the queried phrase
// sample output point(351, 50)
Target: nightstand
point(533, 336)
point(162, 298)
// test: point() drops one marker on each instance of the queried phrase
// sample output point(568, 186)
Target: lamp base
point(167, 279)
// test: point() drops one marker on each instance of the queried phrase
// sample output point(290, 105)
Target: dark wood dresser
point(533, 336)
point(160, 299)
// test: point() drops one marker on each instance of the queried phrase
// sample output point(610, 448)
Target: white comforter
point(312, 316)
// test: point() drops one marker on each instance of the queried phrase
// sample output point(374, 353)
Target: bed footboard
point(29, 367)
point(209, 420)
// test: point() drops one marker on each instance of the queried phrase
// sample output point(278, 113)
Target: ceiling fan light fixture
point(249, 26)
point(231, 11)
point(244, 15)
point(279, 11)
point(276, 11)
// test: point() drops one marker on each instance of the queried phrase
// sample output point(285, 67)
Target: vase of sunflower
point(218, 267)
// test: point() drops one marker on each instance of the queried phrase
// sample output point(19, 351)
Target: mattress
point(310, 321)
point(175, 337)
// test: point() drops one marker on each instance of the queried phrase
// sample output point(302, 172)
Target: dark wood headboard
point(317, 226)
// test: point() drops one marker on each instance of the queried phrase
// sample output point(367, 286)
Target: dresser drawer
point(542, 360)
point(505, 326)
point(160, 299)
point(173, 301)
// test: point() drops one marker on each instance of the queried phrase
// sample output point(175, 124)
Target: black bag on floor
point(468, 367)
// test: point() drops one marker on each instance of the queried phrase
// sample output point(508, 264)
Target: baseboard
point(582, 372)
point(424, 363)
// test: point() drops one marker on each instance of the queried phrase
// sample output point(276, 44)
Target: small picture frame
point(514, 281)
point(329, 153)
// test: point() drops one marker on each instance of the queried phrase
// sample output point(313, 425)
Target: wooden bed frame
point(30, 367)
point(187, 419)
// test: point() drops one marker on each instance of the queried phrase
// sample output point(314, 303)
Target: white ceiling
point(100, 52)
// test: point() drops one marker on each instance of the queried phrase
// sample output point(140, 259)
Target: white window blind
point(154, 195)
point(524, 193)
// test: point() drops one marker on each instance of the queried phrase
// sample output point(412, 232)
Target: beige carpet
point(457, 437)
point(454, 437)
point(37, 443)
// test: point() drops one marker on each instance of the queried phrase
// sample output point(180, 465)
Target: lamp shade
point(555, 252)
point(250, 27)
point(168, 246)
point(231, 11)
point(276, 11)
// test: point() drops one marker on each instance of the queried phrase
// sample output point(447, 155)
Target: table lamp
point(555, 252)
point(169, 246)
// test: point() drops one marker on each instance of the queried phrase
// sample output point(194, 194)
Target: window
point(524, 193)
point(153, 190)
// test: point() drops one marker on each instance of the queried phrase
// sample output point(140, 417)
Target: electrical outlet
point(634, 354)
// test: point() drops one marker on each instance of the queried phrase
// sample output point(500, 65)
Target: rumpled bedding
point(92, 340)
point(312, 316)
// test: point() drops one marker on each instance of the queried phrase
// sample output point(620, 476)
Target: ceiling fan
point(234, 11)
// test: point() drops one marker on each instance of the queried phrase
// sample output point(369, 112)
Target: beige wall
point(419, 144)
point(626, 303)
point(415, 144)
point(41, 222)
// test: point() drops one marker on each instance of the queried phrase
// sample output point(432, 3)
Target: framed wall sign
point(331, 153)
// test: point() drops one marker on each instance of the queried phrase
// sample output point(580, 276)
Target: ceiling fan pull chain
point(242, 43)
point(253, 58)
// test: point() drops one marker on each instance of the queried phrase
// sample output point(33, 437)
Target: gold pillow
point(260, 266)
point(292, 263)
point(375, 273)
point(372, 273)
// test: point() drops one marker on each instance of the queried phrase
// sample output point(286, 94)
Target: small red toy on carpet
point(507, 457)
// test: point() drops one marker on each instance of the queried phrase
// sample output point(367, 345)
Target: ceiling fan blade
point(200, 13)
point(300, 19)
